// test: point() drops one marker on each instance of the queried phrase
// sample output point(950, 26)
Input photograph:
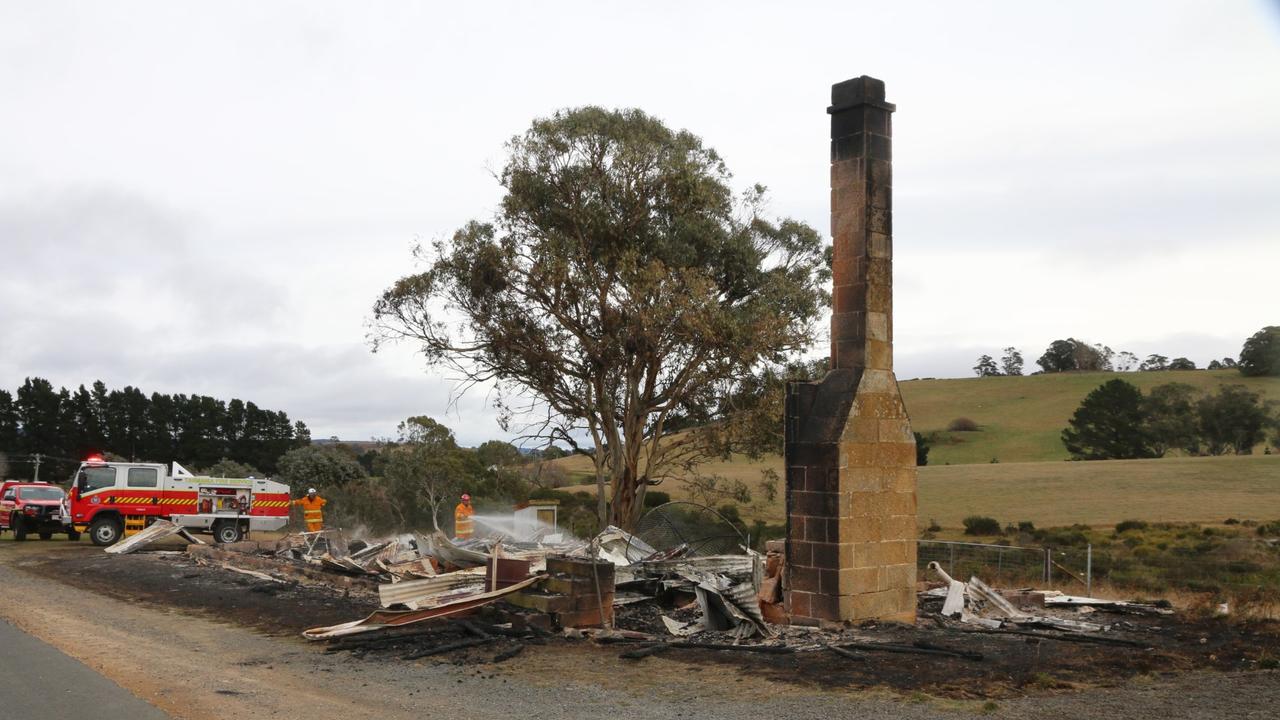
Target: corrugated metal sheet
point(396, 618)
point(732, 565)
point(418, 593)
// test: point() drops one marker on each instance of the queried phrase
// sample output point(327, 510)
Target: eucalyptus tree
point(618, 299)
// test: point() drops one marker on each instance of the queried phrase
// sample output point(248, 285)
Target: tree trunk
point(602, 507)
point(628, 499)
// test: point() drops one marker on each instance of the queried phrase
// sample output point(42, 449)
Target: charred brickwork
point(850, 452)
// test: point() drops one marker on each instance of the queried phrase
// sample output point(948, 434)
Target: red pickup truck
point(27, 507)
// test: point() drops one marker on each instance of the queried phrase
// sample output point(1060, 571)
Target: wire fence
point(1078, 570)
point(1002, 564)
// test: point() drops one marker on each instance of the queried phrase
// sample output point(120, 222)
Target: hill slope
point(1103, 492)
point(1022, 417)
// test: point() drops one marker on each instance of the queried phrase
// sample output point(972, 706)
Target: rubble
point(616, 588)
point(156, 531)
point(975, 602)
point(381, 619)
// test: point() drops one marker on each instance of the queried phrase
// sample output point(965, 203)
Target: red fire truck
point(115, 499)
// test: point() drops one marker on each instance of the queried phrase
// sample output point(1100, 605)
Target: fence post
point(1048, 566)
point(1088, 570)
point(951, 570)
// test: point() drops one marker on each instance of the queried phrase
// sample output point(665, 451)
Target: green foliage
point(1235, 419)
point(1181, 364)
point(8, 422)
point(762, 532)
point(497, 453)
point(1058, 357)
point(1154, 363)
point(323, 468)
point(962, 424)
point(1073, 536)
point(922, 449)
point(1072, 354)
point(1109, 425)
point(1261, 353)
point(981, 525)
point(654, 498)
point(623, 290)
point(553, 452)
point(227, 468)
point(195, 430)
point(986, 367)
point(1154, 557)
point(426, 472)
point(1011, 362)
point(1172, 422)
point(1127, 525)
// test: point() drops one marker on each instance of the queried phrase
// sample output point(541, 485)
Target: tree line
point(415, 479)
point(1259, 356)
point(65, 426)
point(1117, 422)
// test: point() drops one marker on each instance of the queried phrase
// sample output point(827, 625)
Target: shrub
point(654, 498)
point(1026, 526)
point(1270, 529)
point(934, 526)
point(981, 525)
point(1125, 525)
point(1059, 537)
point(962, 424)
point(1231, 521)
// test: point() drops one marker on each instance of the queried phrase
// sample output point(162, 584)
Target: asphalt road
point(37, 682)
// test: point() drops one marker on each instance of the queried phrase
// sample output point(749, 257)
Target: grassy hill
point(1104, 492)
point(1022, 417)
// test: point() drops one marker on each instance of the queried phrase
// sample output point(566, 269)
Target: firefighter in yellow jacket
point(312, 513)
point(463, 526)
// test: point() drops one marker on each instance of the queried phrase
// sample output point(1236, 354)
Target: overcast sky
point(208, 197)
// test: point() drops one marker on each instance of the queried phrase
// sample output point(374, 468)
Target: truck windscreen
point(40, 493)
point(99, 477)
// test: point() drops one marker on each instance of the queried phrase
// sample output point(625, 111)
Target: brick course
point(850, 452)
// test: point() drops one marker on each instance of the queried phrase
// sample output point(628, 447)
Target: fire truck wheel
point(73, 536)
point(105, 531)
point(227, 532)
point(19, 527)
point(46, 536)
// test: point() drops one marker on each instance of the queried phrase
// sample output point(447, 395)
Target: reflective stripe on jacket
point(311, 509)
point(462, 524)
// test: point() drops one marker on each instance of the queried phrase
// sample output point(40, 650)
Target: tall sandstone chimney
point(850, 452)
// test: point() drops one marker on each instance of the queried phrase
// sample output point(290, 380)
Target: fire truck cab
point(114, 500)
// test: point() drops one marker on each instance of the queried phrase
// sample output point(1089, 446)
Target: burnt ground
point(1011, 665)
point(170, 580)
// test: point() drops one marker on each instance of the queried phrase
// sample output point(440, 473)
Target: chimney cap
point(863, 90)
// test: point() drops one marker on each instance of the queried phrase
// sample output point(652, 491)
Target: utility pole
point(37, 471)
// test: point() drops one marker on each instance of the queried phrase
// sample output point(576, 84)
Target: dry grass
point(1021, 418)
point(1095, 493)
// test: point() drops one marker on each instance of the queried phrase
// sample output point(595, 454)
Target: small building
point(536, 519)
